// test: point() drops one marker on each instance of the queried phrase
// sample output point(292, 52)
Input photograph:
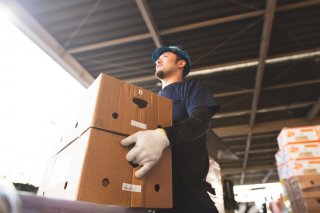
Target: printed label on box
point(131, 187)
point(138, 124)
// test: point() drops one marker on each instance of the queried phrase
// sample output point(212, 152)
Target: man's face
point(166, 65)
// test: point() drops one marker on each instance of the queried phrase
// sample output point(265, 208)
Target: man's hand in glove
point(147, 150)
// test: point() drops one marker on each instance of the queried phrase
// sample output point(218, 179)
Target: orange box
point(114, 105)
point(297, 135)
point(298, 151)
point(89, 162)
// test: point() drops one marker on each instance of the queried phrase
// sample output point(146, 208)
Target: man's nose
point(159, 61)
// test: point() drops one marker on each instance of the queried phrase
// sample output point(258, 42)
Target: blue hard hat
point(177, 50)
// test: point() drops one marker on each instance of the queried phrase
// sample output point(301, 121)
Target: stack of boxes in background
point(298, 163)
point(90, 164)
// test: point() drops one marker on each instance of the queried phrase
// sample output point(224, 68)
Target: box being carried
point(115, 106)
point(297, 135)
point(89, 162)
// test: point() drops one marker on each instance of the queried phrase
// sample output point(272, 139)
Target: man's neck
point(166, 82)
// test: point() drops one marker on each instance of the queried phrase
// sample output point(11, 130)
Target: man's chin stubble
point(159, 74)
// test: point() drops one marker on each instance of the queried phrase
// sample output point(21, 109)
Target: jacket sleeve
point(195, 126)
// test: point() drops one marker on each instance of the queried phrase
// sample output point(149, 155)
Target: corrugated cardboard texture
point(90, 163)
point(113, 105)
point(311, 205)
point(93, 168)
point(306, 186)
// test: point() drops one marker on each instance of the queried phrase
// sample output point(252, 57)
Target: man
point(193, 107)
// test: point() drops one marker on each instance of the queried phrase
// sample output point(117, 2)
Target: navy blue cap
point(177, 50)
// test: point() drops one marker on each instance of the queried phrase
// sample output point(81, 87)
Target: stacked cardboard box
point(298, 163)
point(304, 193)
point(299, 152)
point(89, 163)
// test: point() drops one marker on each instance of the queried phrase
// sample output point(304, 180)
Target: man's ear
point(181, 63)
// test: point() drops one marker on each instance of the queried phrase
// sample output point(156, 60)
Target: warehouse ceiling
point(260, 58)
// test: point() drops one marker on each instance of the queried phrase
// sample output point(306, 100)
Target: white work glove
point(147, 150)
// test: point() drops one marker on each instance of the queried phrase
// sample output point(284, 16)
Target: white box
point(298, 151)
point(303, 167)
point(297, 135)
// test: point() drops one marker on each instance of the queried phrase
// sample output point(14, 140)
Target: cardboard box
point(305, 186)
point(305, 182)
point(282, 171)
point(298, 151)
point(303, 167)
point(114, 105)
point(310, 205)
point(94, 168)
point(297, 135)
point(299, 167)
point(89, 162)
point(287, 189)
point(294, 207)
point(318, 130)
point(303, 192)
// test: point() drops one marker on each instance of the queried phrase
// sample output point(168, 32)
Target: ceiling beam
point(255, 161)
point(312, 114)
point(207, 23)
point(248, 169)
point(253, 146)
point(148, 19)
point(212, 22)
point(268, 175)
point(265, 39)
point(254, 175)
point(240, 64)
point(273, 179)
point(292, 56)
point(258, 151)
point(167, 31)
point(268, 88)
point(264, 110)
point(108, 43)
point(30, 27)
point(255, 62)
point(297, 5)
point(237, 138)
point(259, 128)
